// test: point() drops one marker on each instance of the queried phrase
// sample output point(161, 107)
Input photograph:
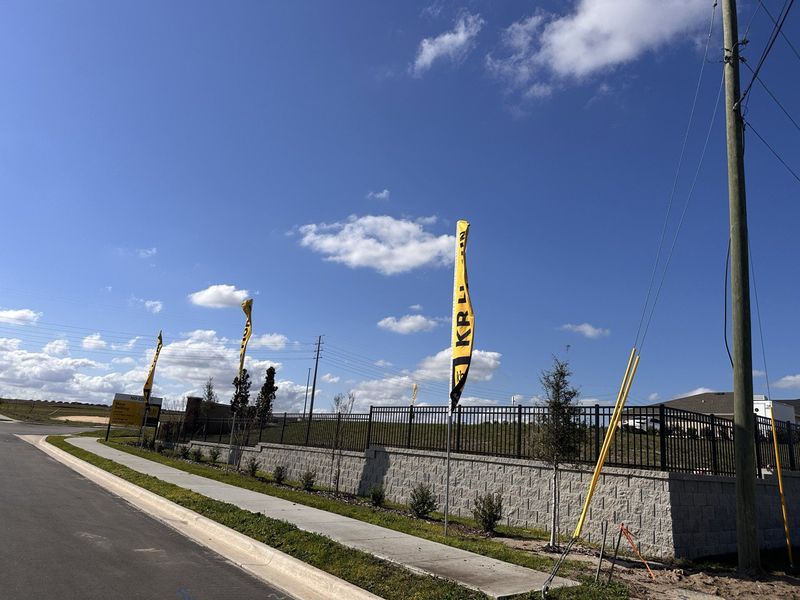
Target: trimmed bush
point(423, 501)
point(197, 455)
point(251, 466)
point(487, 510)
point(308, 479)
point(213, 454)
point(279, 474)
point(159, 447)
point(183, 452)
point(377, 496)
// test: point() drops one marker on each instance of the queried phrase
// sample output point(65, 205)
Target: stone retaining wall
point(672, 515)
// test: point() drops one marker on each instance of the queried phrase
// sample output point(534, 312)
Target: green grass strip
point(359, 568)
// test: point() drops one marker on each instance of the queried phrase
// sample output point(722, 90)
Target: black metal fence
point(649, 437)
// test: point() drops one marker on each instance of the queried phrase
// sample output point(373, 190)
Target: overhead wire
point(783, 35)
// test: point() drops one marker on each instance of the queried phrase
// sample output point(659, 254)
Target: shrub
point(279, 474)
point(251, 466)
point(376, 495)
point(308, 479)
point(487, 510)
point(423, 502)
point(184, 452)
point(213, 454)
point(159, 447)
point(197, 455)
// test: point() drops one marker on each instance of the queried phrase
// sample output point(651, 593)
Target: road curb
point(264, 562)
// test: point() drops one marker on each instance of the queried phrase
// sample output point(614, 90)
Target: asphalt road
point(64, 538)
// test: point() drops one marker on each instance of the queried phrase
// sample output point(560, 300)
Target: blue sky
point(316, 156)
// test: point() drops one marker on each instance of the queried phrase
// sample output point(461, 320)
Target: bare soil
point(685, 582)
point(83, 419)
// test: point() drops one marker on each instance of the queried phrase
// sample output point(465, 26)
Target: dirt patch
point(83, 419)
point(677, 583)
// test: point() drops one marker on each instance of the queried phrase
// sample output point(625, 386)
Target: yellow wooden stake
point(627, 380)
point(780, 485)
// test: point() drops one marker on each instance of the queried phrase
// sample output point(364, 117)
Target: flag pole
point(447, 476)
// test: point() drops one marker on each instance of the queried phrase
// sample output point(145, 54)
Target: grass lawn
point(464, 537)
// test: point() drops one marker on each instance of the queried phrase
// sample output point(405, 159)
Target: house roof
point(717, 403)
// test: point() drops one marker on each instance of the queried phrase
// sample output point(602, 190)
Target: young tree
point(241, 394)
point(266, 397)
point(560, 434)
point(342, 405)
point(209, 396)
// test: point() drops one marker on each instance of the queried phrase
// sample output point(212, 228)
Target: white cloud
point(653, 397)
point(437, 367)
point(21, 316)
point(788, 382)
point(219, 296)
point(695, 391)
point(154, 306)
point(453, 45)
point(415, 307)
point(408, 324)
point(93, 342)
point(56, 347)
point(125, 360)
point(273, 341)
point(329, 378)
point(757, 373)
point(146, 252)
point(382, 363)
point(382, 195)
point(597, 35)
point(586, 330)
point(127, 345)
point(386, 244)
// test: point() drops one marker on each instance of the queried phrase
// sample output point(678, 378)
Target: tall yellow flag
point(148, 385)
point(413, 394)
point(463, 319)
point(247, 307)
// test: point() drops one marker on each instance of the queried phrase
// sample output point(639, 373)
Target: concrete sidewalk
point(495, 578)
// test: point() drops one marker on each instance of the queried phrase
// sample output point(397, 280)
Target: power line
point(677, 174)
point(770, 43)
point(771, 95)
point(771, 149)
point(683, 215)
point(783, 35)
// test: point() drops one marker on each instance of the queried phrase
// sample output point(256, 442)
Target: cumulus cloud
point(415, 307)
point(127, 345)
point(219, 296)
point(383, 243)
point(273, 341)
point(382, 363)
point(543, 50)
point(586, 330)
point(93, 342)
point(788, 382)
point(452, 45)
point(20, 316)
point(695, 391)
point(329, 378)
point(758, 373)
point(653, 397)
point(146, 252)
point(408, 324)
point(437, 367)
point(382, 195)
point(56, 347)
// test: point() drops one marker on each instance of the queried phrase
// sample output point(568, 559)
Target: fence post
point(308, 426)
point(338, 426)
point(596, 432)
point(369, 428)
point(283, 427)
point(260, 429)
point(205, 429)
point(662, 435)
point(410, 422)
point(458, 429)
point(714, 460)
point(789, 435)
point(757, 436)
point(519, 430)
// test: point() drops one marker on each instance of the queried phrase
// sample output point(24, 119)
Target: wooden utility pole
point(313, 390)
point(744, 451)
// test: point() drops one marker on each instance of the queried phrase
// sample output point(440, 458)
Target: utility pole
point(744, 451)
point(313, 390)
point(308, 378)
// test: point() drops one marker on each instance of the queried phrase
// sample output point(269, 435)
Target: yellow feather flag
point(463, 319)
point(413, 393)
point(148, 385)
point(247, 307)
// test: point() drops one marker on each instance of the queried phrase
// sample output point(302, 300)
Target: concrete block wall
point(672, 515)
